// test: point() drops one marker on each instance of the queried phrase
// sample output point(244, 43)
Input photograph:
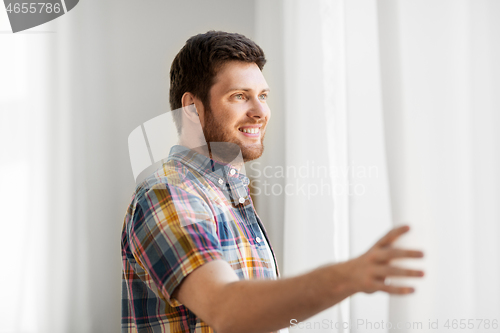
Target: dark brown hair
point(197, 63)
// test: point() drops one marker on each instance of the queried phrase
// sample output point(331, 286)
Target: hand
point(368, 271)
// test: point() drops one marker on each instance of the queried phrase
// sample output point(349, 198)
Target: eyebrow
point(247, 89)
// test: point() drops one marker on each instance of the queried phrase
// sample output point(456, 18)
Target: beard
point(215, 131)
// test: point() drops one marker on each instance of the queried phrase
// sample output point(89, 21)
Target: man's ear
point(190, 107)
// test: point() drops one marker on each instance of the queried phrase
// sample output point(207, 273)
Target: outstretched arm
point(214, 292)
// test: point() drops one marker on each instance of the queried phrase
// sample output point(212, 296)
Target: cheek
point(225, 121)
point(233, 116)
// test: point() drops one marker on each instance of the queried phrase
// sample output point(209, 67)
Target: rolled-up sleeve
point(173, 232)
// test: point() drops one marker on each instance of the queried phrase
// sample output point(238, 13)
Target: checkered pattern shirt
point(191, 211)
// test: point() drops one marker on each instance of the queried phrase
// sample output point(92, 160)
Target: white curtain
point(316, 207)
point(328, 108)
point(405, 94)
point(58, 273)
point(442, 114)
point(22, 169)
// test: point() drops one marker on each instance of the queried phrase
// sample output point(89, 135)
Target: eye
point(263, 97)
point(238, 96)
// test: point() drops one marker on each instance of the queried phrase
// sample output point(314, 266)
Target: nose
point(259, 109)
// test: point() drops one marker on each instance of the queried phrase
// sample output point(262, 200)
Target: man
point(196, 257)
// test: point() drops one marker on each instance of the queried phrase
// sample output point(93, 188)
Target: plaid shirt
point(191, 211)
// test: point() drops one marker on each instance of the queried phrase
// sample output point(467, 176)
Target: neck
point(222, 152)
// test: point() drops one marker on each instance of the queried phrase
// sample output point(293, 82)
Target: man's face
point(238, 108)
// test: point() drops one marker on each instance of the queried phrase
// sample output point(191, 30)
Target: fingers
point(376, 264)
point(392, 235)
point(384, 255)
point(377, 276)
point(394, 289)
point(384, 271)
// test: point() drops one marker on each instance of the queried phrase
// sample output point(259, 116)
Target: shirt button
point(221, 181)
point(258, 239)
point(232, 172)
point(241, 200)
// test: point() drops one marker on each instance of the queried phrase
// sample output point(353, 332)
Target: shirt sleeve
point(173, 233)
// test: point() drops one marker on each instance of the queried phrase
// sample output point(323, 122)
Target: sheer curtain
point(335, 192)
point(405, 95)
point(23, 166)
point(441, 110)
point(316, 141)
point(45, 229)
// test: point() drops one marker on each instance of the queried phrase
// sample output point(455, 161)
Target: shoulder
point(171, 175)
point(171, 191)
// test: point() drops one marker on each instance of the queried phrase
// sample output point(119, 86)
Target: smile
point(250, 130)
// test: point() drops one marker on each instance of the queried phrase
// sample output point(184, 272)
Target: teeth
point(250, 130)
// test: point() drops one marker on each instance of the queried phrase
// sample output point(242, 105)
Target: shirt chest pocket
point(240, 225)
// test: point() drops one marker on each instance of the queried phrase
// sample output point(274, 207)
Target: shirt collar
point(207, 167)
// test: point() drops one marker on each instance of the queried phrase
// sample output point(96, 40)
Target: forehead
point(239, 74)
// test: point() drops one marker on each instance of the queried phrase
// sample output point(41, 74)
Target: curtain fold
point(421, 104)
point(316, 228)
point(441, 114)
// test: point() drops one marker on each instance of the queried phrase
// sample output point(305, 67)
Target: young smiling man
point(196, 256)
